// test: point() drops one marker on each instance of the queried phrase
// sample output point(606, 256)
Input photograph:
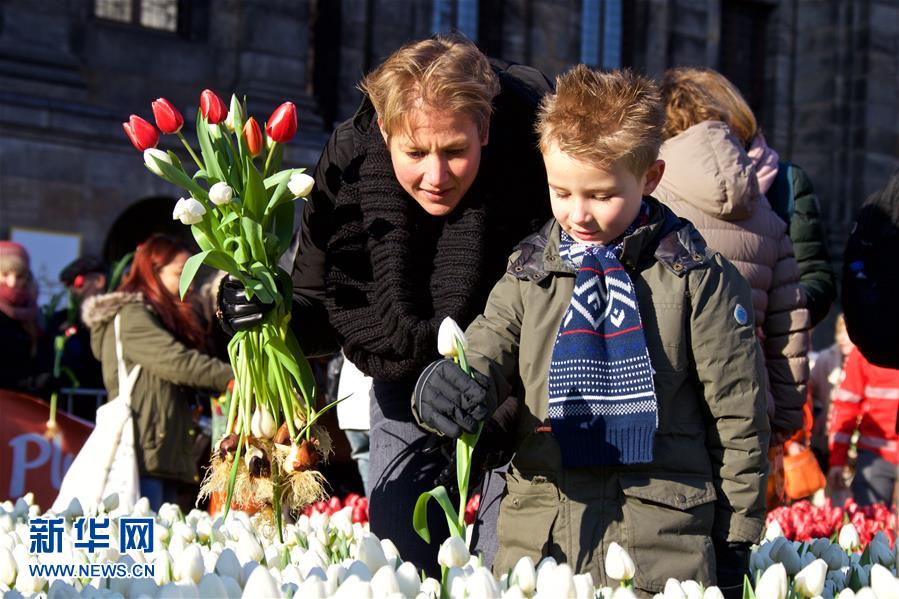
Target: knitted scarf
point(393, 272)
point(602, 403)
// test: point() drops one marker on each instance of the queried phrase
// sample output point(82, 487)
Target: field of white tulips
point(196, 555)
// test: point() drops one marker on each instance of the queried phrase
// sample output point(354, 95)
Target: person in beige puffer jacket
point(711, 181)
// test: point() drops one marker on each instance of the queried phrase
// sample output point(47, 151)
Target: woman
point(19, 329)
point(418, 200)
point(696, 94)
point(162, 334)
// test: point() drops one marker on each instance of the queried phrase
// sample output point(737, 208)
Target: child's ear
point(653, 176)
point(485, 138)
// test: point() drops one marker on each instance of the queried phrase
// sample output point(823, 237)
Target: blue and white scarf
point(602, 402)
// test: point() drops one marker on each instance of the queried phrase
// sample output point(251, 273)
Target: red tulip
point(212, 107)
point(359, 513)
point(351, 499)
point(252, 136)
point(141, 133)
point(282, 125)
point(168, 119)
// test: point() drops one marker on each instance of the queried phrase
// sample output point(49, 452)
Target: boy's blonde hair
point(602, 117)
point(445, 72)
point(693, 95)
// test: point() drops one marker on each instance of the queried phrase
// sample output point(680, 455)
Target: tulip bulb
point(447, 335)
point(262, 425)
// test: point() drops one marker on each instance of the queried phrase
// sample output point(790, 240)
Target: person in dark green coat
point(162, 335)
point(643, 420)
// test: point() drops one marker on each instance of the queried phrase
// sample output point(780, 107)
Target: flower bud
point(151, 155)
point(282, 124)
point(848, 539)
point(619, 564)
point(235, 114)
point(252, 136)
point(524, 576)
point(453, 553)
point(220, 194)
point(212, 107)
point(189, 211)
point(142, 134)
point(773, 583)
point(809, 581)
point(447, 335)
point(300, 184)
point(168, 119)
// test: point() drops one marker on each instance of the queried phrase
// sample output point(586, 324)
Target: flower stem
point(268, 159)
point(190, 151)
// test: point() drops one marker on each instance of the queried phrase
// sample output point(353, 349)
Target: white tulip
point(189, 211)
point(884, 584)
point(782, 551)
point(151, 155)
point(235, 109)
point(583, 586)
point(866, 593)
point(846, 593)
point(619, 564)
point(310, 561)
point(211, 585)
point(430, 587)
point(407, 578)
point(773, 531)
point(390, 552)
point(190, 567)
point(300, 184)
point(354, 588)
point(879, 550)
point(318, 521)
point(260, 584)
point(455, 582)
point(623, 593)
point(544, 574)
point(513, 593)
point(313, 588)
point(481, 585)
point(384, 582)
point(712, 592)
point(27, 584)
point(370, 552)
point(673, 590)
point(810, 580)
point(228, 565)
point(221, 194)
point(359, 570)
point(7, 567)
point(162, 570)
point(848, 538)
point(692, 589)
point(561, 580)
point(524, 576)
point(7, 524)
point(453, 553)
point(773, 583)
point(447, 335)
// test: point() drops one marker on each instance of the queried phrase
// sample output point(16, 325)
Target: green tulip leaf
point(258, 289)
point(255, 197)
point(265, 277)
point(252, 233)
point(420, 513)
point(178, 177)
point(191, 267)
point(202, 238)
point(748, 593)
point(229, 218)
point(294, 360)
point(210, 160)
point(282, 227)
point(222, 261)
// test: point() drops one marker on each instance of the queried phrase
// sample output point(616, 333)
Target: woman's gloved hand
point(449, 402)
point(235, 312)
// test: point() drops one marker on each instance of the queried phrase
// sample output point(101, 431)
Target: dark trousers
point(399, 470)
point(874, 479)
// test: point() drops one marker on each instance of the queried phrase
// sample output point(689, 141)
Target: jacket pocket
point(527, 513)
point(668, 524)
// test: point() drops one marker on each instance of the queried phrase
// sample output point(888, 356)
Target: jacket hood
point(99, 310)
point(706, 166)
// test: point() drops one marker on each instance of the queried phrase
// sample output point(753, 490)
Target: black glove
point(236, 312)
point(451, 402)
point(732, 564)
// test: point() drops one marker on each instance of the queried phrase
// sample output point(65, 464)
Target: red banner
point(28, 460)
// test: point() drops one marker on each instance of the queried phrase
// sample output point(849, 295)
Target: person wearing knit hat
point(19, 326)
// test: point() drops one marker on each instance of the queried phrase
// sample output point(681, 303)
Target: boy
point(644, 408)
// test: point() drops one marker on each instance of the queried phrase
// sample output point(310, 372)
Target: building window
point(743, 45)
point(601, 33)
point(152, 14)
point(458, 15)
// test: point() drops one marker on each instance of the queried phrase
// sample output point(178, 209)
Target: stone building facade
point(823, 76)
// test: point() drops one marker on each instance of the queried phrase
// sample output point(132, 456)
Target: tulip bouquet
point(240, 209)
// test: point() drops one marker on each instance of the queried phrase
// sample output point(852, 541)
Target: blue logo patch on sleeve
point(741, 315)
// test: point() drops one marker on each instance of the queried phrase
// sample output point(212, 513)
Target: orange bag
point(802, 474)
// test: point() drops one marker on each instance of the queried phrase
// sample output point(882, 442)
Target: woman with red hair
point(163, 335)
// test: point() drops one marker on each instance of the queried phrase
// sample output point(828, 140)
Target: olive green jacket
point(709, 471)
point(164, 429)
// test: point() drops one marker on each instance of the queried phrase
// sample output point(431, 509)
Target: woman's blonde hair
point(445, 72)
point(602, 117)
point(693, 95)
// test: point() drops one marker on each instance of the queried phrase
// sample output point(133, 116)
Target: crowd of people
point(637, 272)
